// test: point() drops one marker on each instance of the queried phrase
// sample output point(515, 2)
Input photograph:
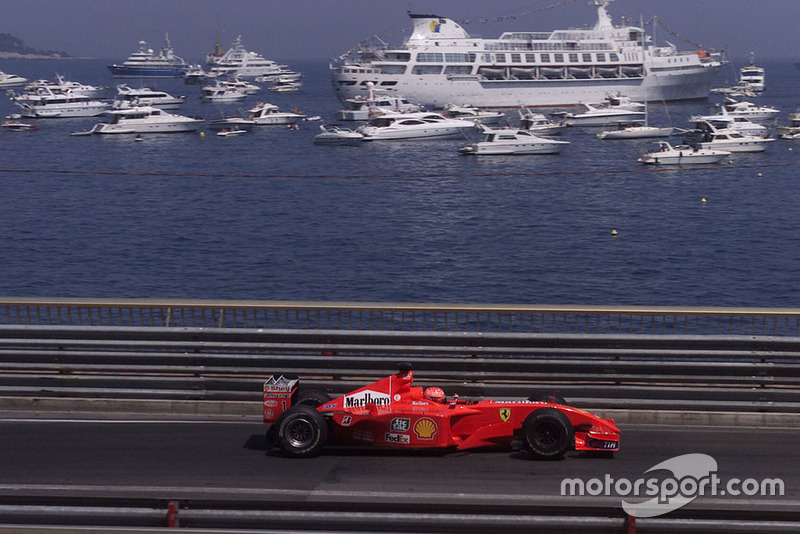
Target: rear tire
point(311, 397)
point(301, 431)
point(547, 434)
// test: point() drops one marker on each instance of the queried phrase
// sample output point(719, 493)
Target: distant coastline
point(14, 48)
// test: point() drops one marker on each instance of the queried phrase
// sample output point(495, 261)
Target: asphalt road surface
point(191, 459)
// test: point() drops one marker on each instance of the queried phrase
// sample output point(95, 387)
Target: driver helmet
point(434, 394)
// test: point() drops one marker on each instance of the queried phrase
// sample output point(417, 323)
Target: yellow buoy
point(614, 232)
point(202, 134)
point(760, 175)
point(703, 200)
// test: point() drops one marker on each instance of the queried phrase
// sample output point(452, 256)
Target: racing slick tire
point(301, 431)
point(311, 397)
point(547, 434)
point(558, 399)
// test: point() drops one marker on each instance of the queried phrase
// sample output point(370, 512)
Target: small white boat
point(421, 125)
point(195, 75)
point(146, 119)
point(336, 135)
point(469, 112)
point(667, 154)
point(11, 80)
point(707, 136)
point(501, 142)
point(264, 113)
point(602, 116)
point(537, 123)
point(635, 131)
point(230, 132)
point(620, 101)
point(242, 85)
point(227, 123)
point(145, 96)
point(286, 85)
point(16, 126)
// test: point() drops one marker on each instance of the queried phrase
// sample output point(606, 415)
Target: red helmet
point(434, 394)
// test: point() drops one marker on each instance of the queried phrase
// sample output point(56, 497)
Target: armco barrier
point(633, 371)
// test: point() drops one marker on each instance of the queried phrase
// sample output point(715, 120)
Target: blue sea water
point(269, 215)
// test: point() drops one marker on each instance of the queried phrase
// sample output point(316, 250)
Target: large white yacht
point(146, 119)
point(238, 61)
point(440, 63)
point(45, 103)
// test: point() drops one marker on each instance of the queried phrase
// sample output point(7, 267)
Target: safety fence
point(400, 317)
point(23, 514)
point(657, 372)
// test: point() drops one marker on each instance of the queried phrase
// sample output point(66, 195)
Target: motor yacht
point(374, 103)
point(750, 111)
point(48, 104)
point(221, 92)
point(146, 119)
point(146, 63)
point(264, 113)
point(67, 87)
point(708, 136)
point(336, 135)
point(723, 119)
point(792, 130)
point(666, 154)
point(636, 131)
point(420, 125)
point(469, 112)
point(753, 76)
point(238, 61)
point(512, 142)
point(537, 123)
point(128, 97)
point(601, 116)
point(11, 80)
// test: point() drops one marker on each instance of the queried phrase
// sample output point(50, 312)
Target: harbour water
point(269, 215)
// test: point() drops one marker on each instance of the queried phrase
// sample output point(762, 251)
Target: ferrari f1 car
point(393, 413)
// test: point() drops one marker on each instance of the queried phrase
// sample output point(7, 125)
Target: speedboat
point(146, 63)
point(11, 80)
point(237, 61)
point(537, 123)
point(601, 116)
point(707, 136)
point(512, 142)
point(242, 85)
point(667, 154)
point(374, 103)
point(145, 96)
point(230, 132)
point(420, 125)
point(221, 92)
point(16, 126)
point(46, 104)
point(146, 119)
point(264, 113)
point(195, 75)
point(725, 120)
point(336, 135)
point(751, 111)
point(635, 131)
point(792, 130)
point(472, 113)
point(285, 85)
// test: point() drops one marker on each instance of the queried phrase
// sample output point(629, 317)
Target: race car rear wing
point(278, 396)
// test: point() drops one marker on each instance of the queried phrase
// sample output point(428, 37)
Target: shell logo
point(425, 428)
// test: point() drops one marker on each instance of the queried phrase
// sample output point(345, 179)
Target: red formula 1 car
point(393, 413)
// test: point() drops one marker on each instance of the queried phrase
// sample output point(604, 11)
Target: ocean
point(269, 215)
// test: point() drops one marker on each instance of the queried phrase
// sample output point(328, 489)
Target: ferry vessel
point(440, 63)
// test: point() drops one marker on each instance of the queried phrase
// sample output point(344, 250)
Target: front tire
point(547, 434)
point(301, 431)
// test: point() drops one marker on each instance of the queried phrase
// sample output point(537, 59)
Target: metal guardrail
point(727, 373)
point(652, 320)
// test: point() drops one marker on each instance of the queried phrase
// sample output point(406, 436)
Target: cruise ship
point(440, 63)
point(146, 63)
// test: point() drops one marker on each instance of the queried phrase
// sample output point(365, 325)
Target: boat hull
point(119, 71)
point(512, 149)
point(171, 127)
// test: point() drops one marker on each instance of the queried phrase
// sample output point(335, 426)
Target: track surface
point(191, 459)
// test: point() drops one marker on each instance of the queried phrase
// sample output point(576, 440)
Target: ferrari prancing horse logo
point(505, 414)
